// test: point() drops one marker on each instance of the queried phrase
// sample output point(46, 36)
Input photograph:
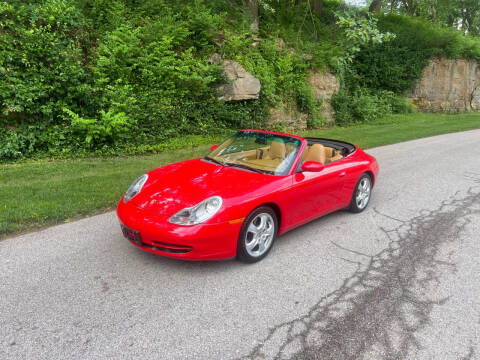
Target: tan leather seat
point(289, 148)
point(329, 152)
point(305, 152)
point(332, 154)
point(336, 157)
point(316, 152)
point(277, 150)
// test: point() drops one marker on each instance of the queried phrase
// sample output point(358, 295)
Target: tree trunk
point(376, 5)
point(468, 20)
point(253, 8)
point(317, 6)
point(450, 20)
point(411, 7)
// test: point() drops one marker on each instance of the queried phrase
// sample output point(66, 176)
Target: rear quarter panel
point(355, 165)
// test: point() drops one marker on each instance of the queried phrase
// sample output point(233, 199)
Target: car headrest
point(277, 150)
point(316, 153)
point(305, 153)
point(290, 148)
point(330, 153)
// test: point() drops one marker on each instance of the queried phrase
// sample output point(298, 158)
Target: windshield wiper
point(249, 168)
point(215, 161)
point(237, 165)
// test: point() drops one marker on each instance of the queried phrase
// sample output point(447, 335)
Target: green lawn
point(397, 128)
point(44, 192)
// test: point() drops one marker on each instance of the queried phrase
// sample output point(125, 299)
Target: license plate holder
point(132, 235)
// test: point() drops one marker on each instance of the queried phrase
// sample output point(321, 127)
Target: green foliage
point(41, 60)
point(158, 84)
point(355, 103)
point(81, 77)
point(307, 103)
point(395, 65)
point(456, 14)
point(360, 30)
point(109, 129)
point(442, 41)
point(315, 38)
point(15, 145)
point(363, 105)
point(129, 74)
point(383, 71)
point(280, 72)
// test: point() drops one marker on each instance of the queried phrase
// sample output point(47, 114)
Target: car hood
point(174, 187)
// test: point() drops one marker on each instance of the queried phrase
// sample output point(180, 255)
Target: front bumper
point(153, 233)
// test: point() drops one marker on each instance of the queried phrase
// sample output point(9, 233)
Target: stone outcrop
point(475, 103)
point(324, 85)
point(448, 85)
point(287, 119)
point(241, 84)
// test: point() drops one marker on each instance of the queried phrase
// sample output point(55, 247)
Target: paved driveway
point(398, 281)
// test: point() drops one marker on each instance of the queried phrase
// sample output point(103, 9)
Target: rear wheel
point(361, 194)
point(257, 235)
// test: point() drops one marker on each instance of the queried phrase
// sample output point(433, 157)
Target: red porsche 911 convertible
point(235, 201)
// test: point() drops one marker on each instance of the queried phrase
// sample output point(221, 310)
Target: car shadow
point(173, 264)
point(314, 223)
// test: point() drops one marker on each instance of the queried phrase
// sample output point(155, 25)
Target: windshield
point(257, 151)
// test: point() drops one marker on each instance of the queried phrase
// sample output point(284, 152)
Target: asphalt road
point(398, 281)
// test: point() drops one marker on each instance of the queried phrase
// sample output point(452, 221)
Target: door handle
point(343, 173)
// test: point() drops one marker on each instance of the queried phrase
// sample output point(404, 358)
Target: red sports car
point(235, 201)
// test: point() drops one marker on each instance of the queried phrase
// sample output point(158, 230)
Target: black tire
point(246, 236)
point(355, 206)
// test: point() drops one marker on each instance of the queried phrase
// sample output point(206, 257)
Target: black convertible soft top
point(344, 147)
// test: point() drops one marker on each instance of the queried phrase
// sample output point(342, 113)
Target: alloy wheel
point(363, 192)
point(259, 234)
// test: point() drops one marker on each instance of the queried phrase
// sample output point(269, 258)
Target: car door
point(315, 193)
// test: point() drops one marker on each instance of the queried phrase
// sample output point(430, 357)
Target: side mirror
point(213, 147)
point(312, 166)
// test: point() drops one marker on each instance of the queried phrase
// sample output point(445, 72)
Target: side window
point(302, 157)
point(305, 152)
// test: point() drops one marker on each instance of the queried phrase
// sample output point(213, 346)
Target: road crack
point(378, 311)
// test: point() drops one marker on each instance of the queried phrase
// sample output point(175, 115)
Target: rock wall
point(448, 85)
point(241, 84)
point(287, 119)
point(324, 85)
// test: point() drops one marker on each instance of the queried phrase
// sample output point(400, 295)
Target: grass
point(43, 192)
point(398, 128)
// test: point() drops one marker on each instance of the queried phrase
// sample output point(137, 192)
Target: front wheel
point(257, 235)
point(361, 194)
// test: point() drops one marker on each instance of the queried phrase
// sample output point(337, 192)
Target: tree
point(376, 5)
point(316, 6)
point(460, 14)
point(253, 9)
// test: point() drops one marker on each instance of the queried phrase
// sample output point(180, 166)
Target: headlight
point(198, 213)
point(135, 188)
